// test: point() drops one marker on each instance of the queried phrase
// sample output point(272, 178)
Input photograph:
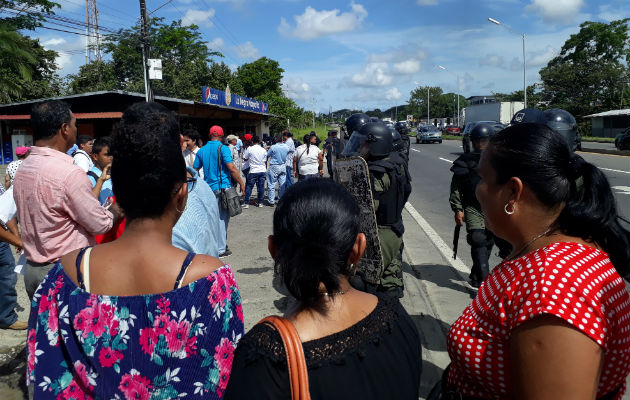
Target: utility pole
point(145, 51)
point(428, 107)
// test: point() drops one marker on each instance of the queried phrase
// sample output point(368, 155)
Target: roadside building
point(609, 123)
point(98, 113)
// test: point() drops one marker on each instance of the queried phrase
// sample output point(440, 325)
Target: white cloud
point(427, 2)
point(393, 94)
point(492, 61)
point(247, 51)
point(540, 58)
point(198, 17)
point(374, 74)
point(297, 89)
point(54, 42)
point(609, 13)
point(407, 67)
point(313, 24)
point(216, 44)
point(557, 10)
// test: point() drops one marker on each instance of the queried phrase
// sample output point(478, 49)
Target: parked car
point(429, 134)
point(470, 125)
point(452, 130)
point(622, 140)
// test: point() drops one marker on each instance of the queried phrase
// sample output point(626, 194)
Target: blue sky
point(366, 54)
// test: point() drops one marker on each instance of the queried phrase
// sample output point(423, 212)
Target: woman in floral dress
point(137, 318)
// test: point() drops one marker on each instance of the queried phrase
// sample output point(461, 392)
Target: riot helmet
point(398, 144)
point(375, 119)
point(356, 121)
point(402, 128)
point(564, 123)
point(378, 138)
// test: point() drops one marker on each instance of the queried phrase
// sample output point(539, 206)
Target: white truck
point(500, 112)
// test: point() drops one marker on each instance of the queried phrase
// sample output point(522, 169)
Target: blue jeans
point(289, 180)
point(257, 178)
point(224, 220)
point(276, 174)
point(8, 294)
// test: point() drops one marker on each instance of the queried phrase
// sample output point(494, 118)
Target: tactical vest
point(391, 201)
point(465, 168)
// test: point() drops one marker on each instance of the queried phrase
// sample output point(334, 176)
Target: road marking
point(444, 159)
point(445, 249)
point(622, 189)
point(416, 150)
point(614, 170)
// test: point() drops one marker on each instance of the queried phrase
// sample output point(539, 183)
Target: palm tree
point(16, 59)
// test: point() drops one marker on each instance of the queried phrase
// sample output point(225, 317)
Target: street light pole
point(494, 21)
point(456, 77)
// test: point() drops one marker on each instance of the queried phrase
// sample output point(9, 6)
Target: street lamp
point(494, 21)
point(457, 77)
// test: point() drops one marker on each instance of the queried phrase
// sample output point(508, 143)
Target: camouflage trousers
point(391, 248)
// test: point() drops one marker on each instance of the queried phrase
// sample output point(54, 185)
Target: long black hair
point(315, 226)
point(541, 158)
point(148, 163)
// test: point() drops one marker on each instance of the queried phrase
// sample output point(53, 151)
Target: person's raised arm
point(552, 360)
point(101, 180)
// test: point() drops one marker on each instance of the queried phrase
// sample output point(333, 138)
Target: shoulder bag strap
point(296, 363)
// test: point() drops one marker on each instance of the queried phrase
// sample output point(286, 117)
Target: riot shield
point(352, 173)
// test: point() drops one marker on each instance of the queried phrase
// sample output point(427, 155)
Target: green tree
point(260, 77)
point(27, 70)
point(418, 102)
point(26, 14)
point(221, 75)
point(283, 106)
point(185, 61)
point(534, 95)
point(591, 72)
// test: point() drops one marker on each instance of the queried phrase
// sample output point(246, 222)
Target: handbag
point(230, 200)
point(296, 363)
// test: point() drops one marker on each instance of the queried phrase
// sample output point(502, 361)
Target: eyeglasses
point(190, 182)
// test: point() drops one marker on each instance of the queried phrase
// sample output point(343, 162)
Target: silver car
point(429, 134)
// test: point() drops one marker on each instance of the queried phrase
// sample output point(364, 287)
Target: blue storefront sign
point(221, 98)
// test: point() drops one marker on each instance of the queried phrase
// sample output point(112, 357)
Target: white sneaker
point(260, 205)
point(245, 206)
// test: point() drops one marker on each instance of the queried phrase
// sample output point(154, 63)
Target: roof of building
point(612, 113)
point(113, 97)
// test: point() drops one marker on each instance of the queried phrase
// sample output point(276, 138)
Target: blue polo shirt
point(106, 189)
point(277, 154)
point(207, 159)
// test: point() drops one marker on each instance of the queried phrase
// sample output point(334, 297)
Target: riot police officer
point(390, 183)
point(466, 207)
point(561, 121)
point(399, 145)
point(353, 124)
point(403, 130)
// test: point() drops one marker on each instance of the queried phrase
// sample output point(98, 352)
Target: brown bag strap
point(296, 363)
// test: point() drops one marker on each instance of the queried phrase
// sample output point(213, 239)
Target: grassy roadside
point(598, 139)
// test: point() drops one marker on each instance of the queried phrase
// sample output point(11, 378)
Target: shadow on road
point(431, 374)
point(443, 276)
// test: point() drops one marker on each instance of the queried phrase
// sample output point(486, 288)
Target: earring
point(353, 269)
point(180, 211)
point(506, 209)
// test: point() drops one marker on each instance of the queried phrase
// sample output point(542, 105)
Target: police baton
point(456, 240)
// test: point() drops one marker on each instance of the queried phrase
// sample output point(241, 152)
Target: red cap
point(216, 131)
point(248, 136)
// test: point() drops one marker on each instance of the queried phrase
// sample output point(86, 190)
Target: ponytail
point(541, 158)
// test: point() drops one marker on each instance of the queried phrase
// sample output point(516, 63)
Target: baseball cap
point(20, 151)
point(528, 115)
point(216, 131)
point(248, 136)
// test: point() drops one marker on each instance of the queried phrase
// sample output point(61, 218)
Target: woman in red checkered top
point(552, 320)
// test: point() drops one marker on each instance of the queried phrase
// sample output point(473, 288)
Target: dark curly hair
point(315, 227)
point(148, 163)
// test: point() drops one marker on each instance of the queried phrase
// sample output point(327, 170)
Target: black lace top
point(377, 358)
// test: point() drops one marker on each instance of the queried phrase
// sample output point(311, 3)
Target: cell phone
point(108, 203)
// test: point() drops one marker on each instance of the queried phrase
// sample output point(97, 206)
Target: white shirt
point(307, 163)
point(257, 158)
point(8, 209)
point(189, 157)
point(83, 160)
point(291, 145)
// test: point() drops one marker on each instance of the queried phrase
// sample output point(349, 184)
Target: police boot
point(480, 256)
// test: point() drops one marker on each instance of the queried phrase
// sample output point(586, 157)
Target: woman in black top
point(357, 345)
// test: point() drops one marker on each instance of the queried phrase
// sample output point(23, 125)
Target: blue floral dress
point(161, 346)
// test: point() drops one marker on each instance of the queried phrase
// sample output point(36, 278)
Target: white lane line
point(614, 170)
point(416, 150)
point(444, 159)
point(622, 189)
point(445, 249)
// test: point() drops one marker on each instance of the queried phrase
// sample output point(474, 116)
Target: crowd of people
point(123, 238)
